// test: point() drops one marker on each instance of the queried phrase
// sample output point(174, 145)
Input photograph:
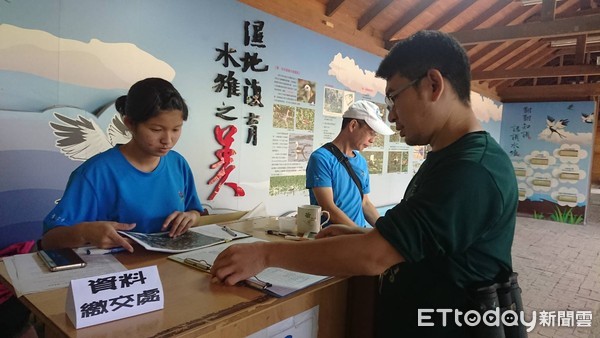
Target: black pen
point(276, 233)
point(229, 231)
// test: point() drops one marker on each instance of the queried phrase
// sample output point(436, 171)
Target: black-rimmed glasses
point(391, 97)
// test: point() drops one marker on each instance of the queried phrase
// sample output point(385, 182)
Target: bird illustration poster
point(550, 145)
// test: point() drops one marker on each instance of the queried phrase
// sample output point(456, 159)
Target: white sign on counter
point(101, 299)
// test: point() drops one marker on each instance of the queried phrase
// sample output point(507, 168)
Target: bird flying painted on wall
point(587, 118)
point(556, 126)
point(81, 138)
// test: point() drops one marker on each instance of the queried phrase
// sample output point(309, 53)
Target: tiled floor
point(559, 270)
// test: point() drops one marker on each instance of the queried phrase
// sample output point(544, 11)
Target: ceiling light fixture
point(531, 2)
point(573, 42)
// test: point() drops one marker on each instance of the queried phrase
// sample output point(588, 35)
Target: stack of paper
point(29, 274)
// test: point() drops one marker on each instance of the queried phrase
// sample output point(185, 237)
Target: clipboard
point(204, 266)
point(273, 281)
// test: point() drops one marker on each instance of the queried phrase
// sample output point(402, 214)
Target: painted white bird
point(82, 138)
point(554, 126)
point(587, 118)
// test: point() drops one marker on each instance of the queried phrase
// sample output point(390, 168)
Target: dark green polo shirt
point(454, 227)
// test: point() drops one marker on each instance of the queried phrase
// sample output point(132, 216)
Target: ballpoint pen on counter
point(285, 235)
point(229, 231)
point(277, 233)
point(98, 251)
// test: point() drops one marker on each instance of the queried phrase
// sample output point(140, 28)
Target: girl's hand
point(179, 222)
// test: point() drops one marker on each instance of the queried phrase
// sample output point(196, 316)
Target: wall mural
point(551, 146)
point(261, 100)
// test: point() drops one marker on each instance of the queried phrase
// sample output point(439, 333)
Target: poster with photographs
point(306, 91)
point(374, 161)
point(336, 101)
point(283, 116)
point(300, 147)
point(397, 162)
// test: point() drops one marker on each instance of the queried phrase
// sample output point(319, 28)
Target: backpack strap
point(344, 161)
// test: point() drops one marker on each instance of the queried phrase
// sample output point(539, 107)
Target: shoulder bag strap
point(344, 161)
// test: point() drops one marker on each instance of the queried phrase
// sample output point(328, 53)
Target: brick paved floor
point(559, 270)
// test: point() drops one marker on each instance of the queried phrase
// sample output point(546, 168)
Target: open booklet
point(274, 281)
point(194, 238)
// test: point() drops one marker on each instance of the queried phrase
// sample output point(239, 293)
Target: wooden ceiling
point(546, 51)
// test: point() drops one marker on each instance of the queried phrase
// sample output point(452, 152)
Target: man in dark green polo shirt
point(453, 228)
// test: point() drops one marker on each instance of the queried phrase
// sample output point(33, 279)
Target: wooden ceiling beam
point(372, 12)
point(580, 49)
point(570, 92)
point(567, 14)
point(517, 73)
point(576, 25)
point(522, 56)
point(548, 10)
point(483, 54)
point(585, 4)
point(536, 60)
point(408, 16)
point(333, 6)
point(485, 90)
point(517, 16)
point(502, 53)
point(481, 18)
point(518, 60)
point(451, 14)
point(590, 47)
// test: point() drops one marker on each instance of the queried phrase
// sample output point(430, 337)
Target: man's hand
point(339, 229)
point(239, 262)
point(179, 222)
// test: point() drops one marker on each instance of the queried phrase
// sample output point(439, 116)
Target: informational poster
point(262, 94)
point(550, 145)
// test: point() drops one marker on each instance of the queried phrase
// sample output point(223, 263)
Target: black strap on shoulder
point(344, 161)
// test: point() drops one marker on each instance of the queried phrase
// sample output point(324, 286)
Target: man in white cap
point(331, 184)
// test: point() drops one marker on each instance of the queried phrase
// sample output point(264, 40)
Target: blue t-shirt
point(108, 188)
point(324, 170)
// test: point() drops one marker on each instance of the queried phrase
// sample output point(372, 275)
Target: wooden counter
point(196, 307)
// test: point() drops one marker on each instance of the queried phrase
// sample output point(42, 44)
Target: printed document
point(281, 282)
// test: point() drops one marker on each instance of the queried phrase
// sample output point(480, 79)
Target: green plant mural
point(566, 216)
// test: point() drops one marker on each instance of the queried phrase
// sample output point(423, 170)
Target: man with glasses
point(329, 182)
point(453, 228)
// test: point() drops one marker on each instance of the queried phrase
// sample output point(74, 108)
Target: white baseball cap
point(369, 112)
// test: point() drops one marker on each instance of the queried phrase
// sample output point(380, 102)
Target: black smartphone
point(61, 259)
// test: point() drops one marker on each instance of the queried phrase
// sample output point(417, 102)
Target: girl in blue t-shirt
point(142, 185)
